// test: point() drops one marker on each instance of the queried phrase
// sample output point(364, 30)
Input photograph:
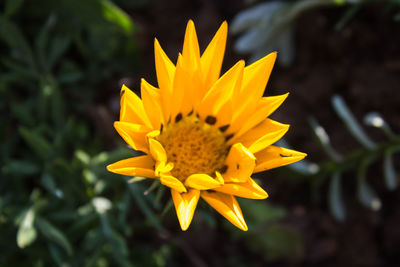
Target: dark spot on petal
point(223, 169)
point(224, 128)
point(161, 128)
point(237, 166)
point(228, 137)
point(197, 115)
point(178, 117)
point(174, 155)
point(190, 113)
point(122, 93)
point(211, 120)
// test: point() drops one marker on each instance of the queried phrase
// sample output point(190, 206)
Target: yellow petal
point(152, 103)
point(227, 206)
point(249, 189)
point(255, 79)
point(191, 51)
point(240, 164)
point(172, 182)
point(163, 168)
point(245, 121)
point(222, 91)
point(219, 178)
point(137, 166)
point(211, 59)
point(132, 109)
point(165, 74)
point(274, 156)
point(185, 205)
point(264, 134)
point(201, 182)
point(133, 134)
point(157, 150)
point(179, 88)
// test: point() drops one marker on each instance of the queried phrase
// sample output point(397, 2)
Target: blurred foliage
point(360, 160)
point(266, 235)
point(269, 26)
point(58, 204)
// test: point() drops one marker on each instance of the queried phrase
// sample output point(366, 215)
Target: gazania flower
point(203, 135)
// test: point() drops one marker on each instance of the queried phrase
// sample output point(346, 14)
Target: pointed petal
point(219, 178)
point(185, 205)
point(152, 103)
point(172, 182)
point(265, 107)
point(157, 150)
point(222, 91)
point(227, 206)
point(264, 134)
point(211, 59)
point(138, 166)
point(132, 109)
point(240, 164)
point(249, 189)
point(133, 134)
point(179, 88)
point(191, 51)
point(274, 156)
point(201, 182)
point(255, 79)
point(165, 74)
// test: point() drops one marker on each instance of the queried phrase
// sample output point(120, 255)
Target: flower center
point(193, 146)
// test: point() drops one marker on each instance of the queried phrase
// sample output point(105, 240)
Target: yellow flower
point(204, 135)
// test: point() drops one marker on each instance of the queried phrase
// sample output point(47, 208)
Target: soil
point(360, 62)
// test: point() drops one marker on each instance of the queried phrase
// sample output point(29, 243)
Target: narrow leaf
point(336, 204)
point(366, 194)
point(53, 234)
point(36, 142)
point(351, 123)
point(390, 175)
point(141, 202)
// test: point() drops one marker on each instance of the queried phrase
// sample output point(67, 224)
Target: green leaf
point(36, 142)
point(21, 167)
point(389, 171)
point(335, 198)
point(41, 43)
point(351, 123)
point(366, 194)
point(323, 139)
point(13, 37)
point(137, 193)
point(23, 113)
point(53, 234)
point(26, 231)
point(258, 212)
point(136, 179)
point(58, 47)
point(113, 13)
point(25, 72)
point(12, 6)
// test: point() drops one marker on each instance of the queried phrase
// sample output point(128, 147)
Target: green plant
point(360, 160)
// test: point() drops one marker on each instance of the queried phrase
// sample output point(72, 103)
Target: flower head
point(204, 135)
